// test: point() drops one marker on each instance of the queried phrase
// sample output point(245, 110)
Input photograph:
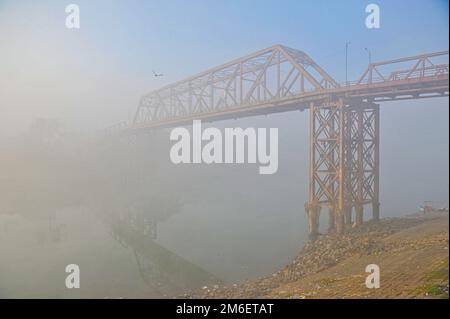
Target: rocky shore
point(332, 261)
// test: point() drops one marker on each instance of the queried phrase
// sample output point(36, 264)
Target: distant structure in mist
point(46, 131)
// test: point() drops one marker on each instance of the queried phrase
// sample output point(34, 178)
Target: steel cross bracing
point(344, 119)
point(272, 75)
point(344, 162)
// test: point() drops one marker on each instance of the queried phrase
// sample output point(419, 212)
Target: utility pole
point(370, 55)
point(346, 62)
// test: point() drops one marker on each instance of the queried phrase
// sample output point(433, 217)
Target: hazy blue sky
point(95, 76)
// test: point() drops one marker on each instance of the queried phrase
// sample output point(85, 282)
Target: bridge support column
point(376, 181)
point(331, 219)
point(348, 216)
point(326, 171)
point(344, 162)
point(340, 221)
point(369, 159)
point(360, 167)
point(359, 209)
point(313, 214)
point(376, 211)
point(361, 156)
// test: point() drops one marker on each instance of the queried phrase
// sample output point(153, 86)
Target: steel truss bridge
point(344, 118)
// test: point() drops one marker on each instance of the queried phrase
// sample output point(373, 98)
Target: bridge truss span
point(344, 118)
point(265, 77)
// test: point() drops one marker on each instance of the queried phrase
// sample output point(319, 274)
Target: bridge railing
point(415, 67)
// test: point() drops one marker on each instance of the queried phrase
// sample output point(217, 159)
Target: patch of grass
point(439, 274)
point(436, 291)
point(327, 281)
point(436, 282)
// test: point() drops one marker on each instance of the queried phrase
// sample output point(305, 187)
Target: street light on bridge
point(370, 55)
point(346, 62)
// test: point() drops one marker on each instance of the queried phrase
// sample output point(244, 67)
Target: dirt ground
point(411, 252)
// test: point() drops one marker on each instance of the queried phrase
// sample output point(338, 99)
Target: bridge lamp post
point(346, 62)
point(370, 55)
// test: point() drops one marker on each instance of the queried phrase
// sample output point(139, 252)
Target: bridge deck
point(432, 86)
point(280, 79)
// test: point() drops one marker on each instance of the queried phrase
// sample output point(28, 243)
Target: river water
point(119, 260)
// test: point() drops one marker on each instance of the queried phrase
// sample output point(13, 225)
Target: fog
point(61, 197)
point(137, 224)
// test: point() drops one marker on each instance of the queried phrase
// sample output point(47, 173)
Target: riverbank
point(412, 253)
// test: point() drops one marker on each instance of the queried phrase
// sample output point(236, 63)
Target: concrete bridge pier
point(313, 214)
point(348, 216)
point(340, 221)
point(331, 219)
point(359, 211)
point(376, 211)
